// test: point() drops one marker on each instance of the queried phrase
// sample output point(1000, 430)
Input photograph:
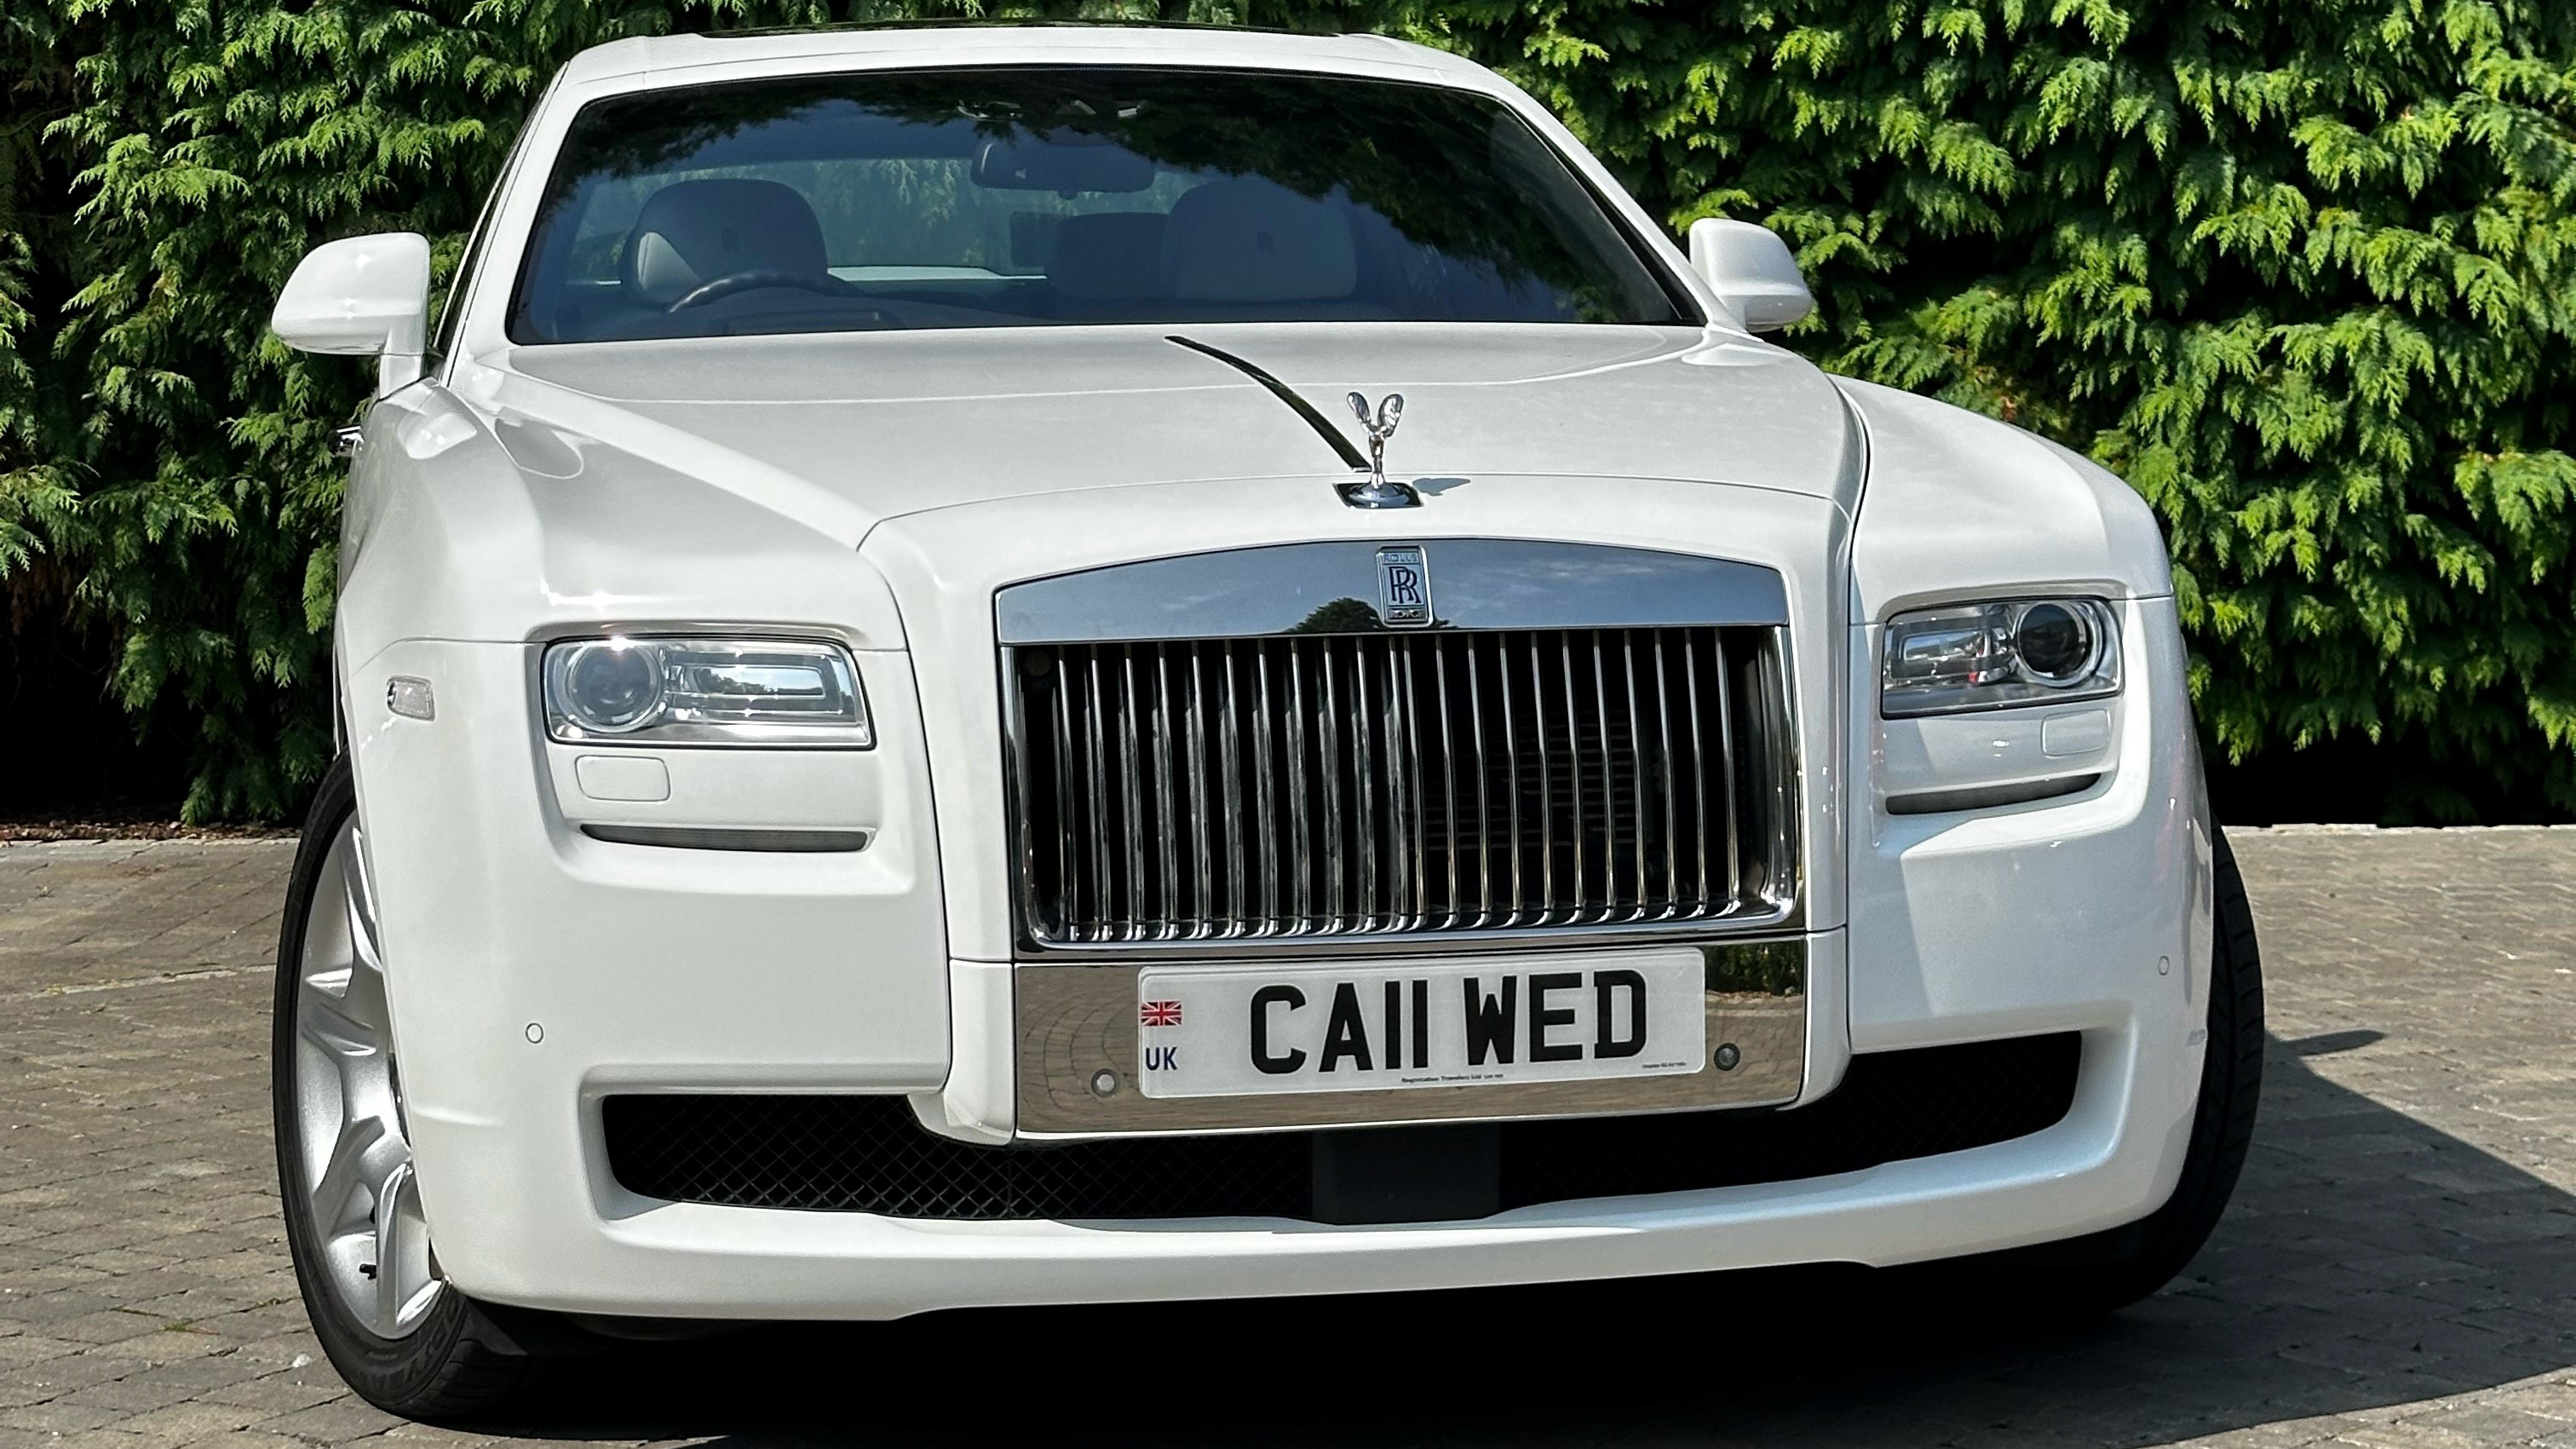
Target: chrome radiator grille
point(1392, 784)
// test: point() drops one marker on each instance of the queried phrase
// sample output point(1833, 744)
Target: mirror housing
point(1750, 269)
point(361, 296)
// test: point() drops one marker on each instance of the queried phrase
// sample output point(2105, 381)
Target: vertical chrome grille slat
point(1096, 784)
point(1068, 892)
point(1204, 913)
point(1609, 811)
point(1445, 741)
point(1733, 823)
point(1484, 792)
point(1512, 782)
point(1390, 715)
point(1332, 772)
point(1642, 888)
point(1699, 759)
point(1546, 787)
point(1300, 862)
point(1229, 750)
point(1131, 819)
point(1363, 803)
point(1778, 755)
point(1167, 853)
point(1405, 678)
point(1573, 775)
point(1671, 788)
point(1266, 858)
point(1434, 782)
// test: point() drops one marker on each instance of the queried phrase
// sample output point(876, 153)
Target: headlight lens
point(704, 692)
point(1990, 656)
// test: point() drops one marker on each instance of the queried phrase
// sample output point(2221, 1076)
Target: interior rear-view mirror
point(1033, 163)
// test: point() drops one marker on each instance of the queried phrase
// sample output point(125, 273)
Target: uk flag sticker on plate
point(1158, 1013)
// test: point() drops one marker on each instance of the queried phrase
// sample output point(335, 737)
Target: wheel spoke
point(325, 1021)
point(366, 989)
point(390, 1246)
point(363, 1000)
point(348, 1172)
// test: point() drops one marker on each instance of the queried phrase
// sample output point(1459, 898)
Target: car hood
point(845, 430)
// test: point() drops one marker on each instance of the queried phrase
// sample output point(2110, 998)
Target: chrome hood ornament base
point(1377, 492)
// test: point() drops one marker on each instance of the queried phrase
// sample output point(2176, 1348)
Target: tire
point(2103, 1272)
point(406, 1341)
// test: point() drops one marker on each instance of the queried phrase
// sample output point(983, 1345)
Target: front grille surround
point(1372, 790)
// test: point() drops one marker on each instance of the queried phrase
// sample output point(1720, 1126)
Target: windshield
point(978, 198)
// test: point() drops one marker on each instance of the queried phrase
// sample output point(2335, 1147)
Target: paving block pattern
point(2399, 1268)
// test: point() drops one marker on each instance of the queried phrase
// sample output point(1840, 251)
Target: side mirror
point(361, 296)
point(1751, 271)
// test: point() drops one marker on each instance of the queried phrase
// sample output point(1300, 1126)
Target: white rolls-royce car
point(1038, 665)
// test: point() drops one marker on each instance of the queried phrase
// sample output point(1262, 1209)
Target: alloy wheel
point(355, 1156)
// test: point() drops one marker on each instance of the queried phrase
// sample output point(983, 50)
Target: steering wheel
point(753, 278)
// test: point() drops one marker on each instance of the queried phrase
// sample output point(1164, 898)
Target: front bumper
point(537, 971)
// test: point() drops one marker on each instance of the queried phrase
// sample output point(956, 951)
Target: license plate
point(1248, 1030)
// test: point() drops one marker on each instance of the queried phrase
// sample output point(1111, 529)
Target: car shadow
point(2368, 1261)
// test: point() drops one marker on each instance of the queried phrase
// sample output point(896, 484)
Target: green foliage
point(2301, 273)
point(2304, 274)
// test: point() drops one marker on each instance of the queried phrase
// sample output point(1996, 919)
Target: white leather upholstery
point(695, 231)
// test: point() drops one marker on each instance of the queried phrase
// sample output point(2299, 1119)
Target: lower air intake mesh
point(868, 1154)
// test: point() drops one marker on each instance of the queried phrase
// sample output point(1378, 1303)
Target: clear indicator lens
point(705, 691)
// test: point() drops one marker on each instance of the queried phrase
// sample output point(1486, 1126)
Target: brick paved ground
point(2399, 1268)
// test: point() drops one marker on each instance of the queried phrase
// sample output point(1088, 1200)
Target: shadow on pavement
point(2369, 1261)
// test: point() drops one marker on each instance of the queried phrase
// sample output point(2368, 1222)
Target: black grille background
point(1397, 783)
point(868, 1154)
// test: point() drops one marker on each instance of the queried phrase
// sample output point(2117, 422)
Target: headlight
point(1989, 656)
point(704, 692)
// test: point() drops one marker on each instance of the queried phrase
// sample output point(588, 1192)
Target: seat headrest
point(1254, 240)
point(1108, 256)
point(691, 232)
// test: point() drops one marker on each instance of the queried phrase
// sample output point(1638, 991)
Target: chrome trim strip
point(677, 837)
point(1485, 583)
point(1071, 1025)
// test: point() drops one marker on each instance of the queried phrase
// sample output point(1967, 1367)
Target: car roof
point(648, 60)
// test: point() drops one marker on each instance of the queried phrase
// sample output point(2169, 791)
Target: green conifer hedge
point(2305, 274)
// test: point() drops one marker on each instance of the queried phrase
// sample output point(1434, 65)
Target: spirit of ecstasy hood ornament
point(1377, 492)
